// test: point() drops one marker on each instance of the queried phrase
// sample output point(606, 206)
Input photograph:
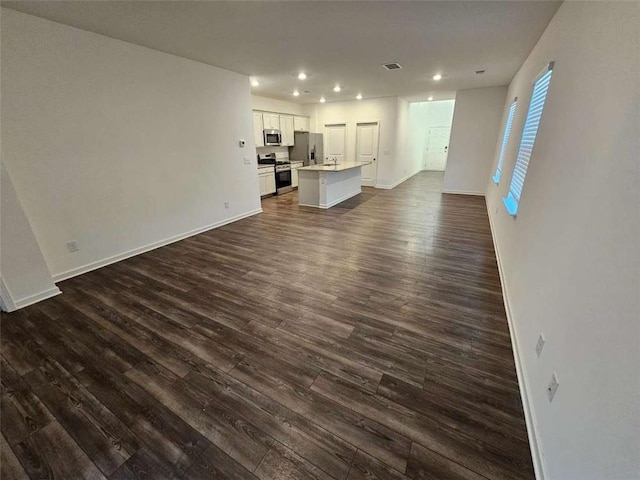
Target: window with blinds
point(505, 140)
point(531, 124)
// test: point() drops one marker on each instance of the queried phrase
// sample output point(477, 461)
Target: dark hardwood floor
point(367, 341)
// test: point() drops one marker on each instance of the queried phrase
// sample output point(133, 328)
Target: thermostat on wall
point(241, 143)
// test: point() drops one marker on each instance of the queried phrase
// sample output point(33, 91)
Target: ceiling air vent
point(392, 66)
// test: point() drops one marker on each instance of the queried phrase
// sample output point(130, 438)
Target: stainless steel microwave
point(272, 138)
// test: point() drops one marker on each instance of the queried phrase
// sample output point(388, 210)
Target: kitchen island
point(326, 185)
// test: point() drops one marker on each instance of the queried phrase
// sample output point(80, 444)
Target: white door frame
point(370, 122)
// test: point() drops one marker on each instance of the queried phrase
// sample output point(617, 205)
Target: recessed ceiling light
point(437, 77)
point(302, 76)
point(296, 93)
point(430, 98)
point(337, 88)
point(322, 100)
point(254, 82)
point(359, 96)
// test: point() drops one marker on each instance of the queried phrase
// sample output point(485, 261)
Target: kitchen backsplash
point(282, 153)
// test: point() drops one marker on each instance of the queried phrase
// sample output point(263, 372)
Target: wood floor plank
point(296, 432)
point(22, 412)
point(10, 467)
point(51, 453)
point(449, 408)
point(375, 438)
point(225, 428)
point(157, 427)
point(368, 340)
point(106, 440)
point(325, 359)
point(425, 464)
point(145, 464)
point(365, 467)
point(280, 463)
point(215, 464)
point(507, 461)
point(149, 343)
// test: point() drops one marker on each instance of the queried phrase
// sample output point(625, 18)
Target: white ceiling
point(333, 42)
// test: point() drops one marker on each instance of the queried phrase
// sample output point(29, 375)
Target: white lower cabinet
point(267, 180)
point(294, 173)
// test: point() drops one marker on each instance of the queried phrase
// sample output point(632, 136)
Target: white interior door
point(437, 148)
point(334, 142)
point(367, 151)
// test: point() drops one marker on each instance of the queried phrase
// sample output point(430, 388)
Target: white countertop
point(330, 167)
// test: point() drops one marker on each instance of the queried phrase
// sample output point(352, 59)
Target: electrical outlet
point(553, 386)
point(73, 246)
point(226, 204)
point(540, 345)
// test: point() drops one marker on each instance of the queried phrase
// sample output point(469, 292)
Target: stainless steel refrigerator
point(307, 148)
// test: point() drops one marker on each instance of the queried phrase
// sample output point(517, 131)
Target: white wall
point(394, 163)
point(476, 121)
point(24, 275)
point(423, 116)
point(403, 166)
point(570, 260)
point(117, 146)
point(273, 105)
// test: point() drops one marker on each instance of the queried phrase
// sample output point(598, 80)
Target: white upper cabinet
point(271, 121)
point(286, 127)
point(301, 124)
point(258, 134)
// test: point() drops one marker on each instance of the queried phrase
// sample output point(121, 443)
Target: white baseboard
point(335, 202)
point(6, 300)
point(529, 417)
point(152, 246)
point(395, 184)
point(36, 297)
point(463, 192)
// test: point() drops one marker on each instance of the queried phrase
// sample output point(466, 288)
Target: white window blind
point(531, 124)
point(505, 140)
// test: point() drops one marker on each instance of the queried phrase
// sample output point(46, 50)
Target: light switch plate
point(553, 386)
point(247, 160)
point(73, 246)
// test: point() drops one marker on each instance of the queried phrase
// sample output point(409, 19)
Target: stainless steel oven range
point(283, 177)
point(282, 172)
